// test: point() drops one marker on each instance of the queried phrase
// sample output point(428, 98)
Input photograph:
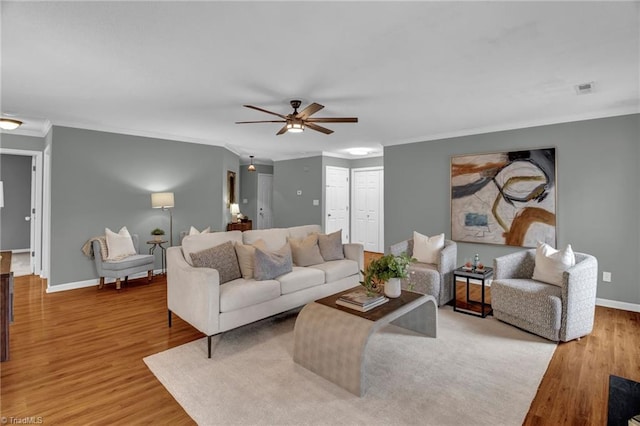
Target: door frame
point(352, 216)
point(36, 226)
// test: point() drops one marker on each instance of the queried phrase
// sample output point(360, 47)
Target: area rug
point(477, 371)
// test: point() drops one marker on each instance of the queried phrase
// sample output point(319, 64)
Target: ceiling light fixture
point(251, 167)
point(9, 123)
point(295, 126)
point(358, 151)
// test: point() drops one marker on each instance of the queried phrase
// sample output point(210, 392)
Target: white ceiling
point(411, 71)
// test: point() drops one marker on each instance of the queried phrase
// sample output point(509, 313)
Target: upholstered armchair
point(558, 313)
point(119, 269)
point(434, 279)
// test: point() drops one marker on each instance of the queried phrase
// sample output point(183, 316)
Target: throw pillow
point(246, 257)
point(331, 246)
point(119, 245)
point(221, 257)
point(427, 249)
point(269, 265)
point(305, 251)
point(194, 231)
point(551, 263)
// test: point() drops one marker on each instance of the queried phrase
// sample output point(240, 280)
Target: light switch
point(316, 202)
point(245, 201)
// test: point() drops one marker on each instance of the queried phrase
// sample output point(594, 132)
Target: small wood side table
point(240, 226)
point(152, 249)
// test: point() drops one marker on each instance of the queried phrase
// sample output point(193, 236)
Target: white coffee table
point(331, 340)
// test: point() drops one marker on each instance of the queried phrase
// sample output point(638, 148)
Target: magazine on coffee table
point(359, 300)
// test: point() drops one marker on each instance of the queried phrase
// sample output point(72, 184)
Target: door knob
point(27, 218)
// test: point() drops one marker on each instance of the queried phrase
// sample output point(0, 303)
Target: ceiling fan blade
point(282, 131)
point(318, 128)
point(264, 110)
point(263, 121)
point(333, 120)
point(310, 110)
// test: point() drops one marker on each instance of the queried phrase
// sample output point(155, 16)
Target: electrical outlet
point(606, 277)
point(316, 202)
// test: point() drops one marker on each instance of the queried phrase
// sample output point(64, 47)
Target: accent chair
point(119, 269)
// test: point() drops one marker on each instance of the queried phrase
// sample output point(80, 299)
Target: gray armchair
point(555, 313)
point(119, 269)
point(432, 279)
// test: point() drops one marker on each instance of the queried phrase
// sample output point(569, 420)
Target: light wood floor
point(76, 358)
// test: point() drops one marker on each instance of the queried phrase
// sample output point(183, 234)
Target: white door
point(337, 201)
point(367, 217)
point(265, 197)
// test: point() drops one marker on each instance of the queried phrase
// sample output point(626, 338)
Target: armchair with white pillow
point(432, 273)
point(548, 292)
point(118, 257)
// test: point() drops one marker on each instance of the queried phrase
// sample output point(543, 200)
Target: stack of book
point(359, 301)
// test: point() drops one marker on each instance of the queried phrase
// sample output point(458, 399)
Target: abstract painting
point(506, 198)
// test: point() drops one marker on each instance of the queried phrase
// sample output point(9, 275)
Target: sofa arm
point(579, 297)
point(354, 251)
point(193, 293)
point(514, 265)
point(405, 246)
point(448, 257)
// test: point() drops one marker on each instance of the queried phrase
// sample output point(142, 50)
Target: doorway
point(265, 197)
point(26, 217)
point(337, 201)
point(367, 213)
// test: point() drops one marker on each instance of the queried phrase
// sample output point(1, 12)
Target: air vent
point(584, 88)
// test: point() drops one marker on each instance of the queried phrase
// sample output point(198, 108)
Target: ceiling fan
point(297, 121)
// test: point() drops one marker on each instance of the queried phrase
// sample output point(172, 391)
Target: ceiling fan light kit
point(9, 123)
point(296, 122)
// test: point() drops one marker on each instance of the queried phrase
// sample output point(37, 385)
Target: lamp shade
point(235, 209)
point(162, 200)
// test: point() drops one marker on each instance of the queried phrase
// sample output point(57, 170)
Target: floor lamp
point(164, 201)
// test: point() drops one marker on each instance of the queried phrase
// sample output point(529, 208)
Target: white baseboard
point(94, 282)
point(625, 306)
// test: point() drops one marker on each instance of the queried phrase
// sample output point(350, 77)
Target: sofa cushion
point(196, 243)
point(305, 251)
point(303, 231)
point(221, 257)
point(247, 257)
point(274, 238)
point(299, 279)
point(532, 301)
point(119, 245)
point(427, 249)
point(550, 263)
point(337, 269)
point(241, 293)
point(129, 262)
point(331, 246)
point(271, 264)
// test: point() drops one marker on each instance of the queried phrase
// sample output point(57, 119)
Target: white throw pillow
point(119, 245)
point(551, 263)
point(427, 249)
point(194, 231)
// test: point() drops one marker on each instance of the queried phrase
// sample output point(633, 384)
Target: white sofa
point(196, 295)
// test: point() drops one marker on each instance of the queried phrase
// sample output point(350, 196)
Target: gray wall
point(367, 162)
point(290, 209)
point(29, 143)
point(249, 190)
point(103, 180)
point(598, 171)
point(15, 173)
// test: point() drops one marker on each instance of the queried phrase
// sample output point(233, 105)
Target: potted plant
point(157, 234)
point(386, 271)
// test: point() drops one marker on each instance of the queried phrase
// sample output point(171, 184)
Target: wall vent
point(584, 88)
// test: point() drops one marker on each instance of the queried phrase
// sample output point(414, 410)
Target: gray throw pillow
point(221, 257)
point(269, 265)
point(331, 246)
